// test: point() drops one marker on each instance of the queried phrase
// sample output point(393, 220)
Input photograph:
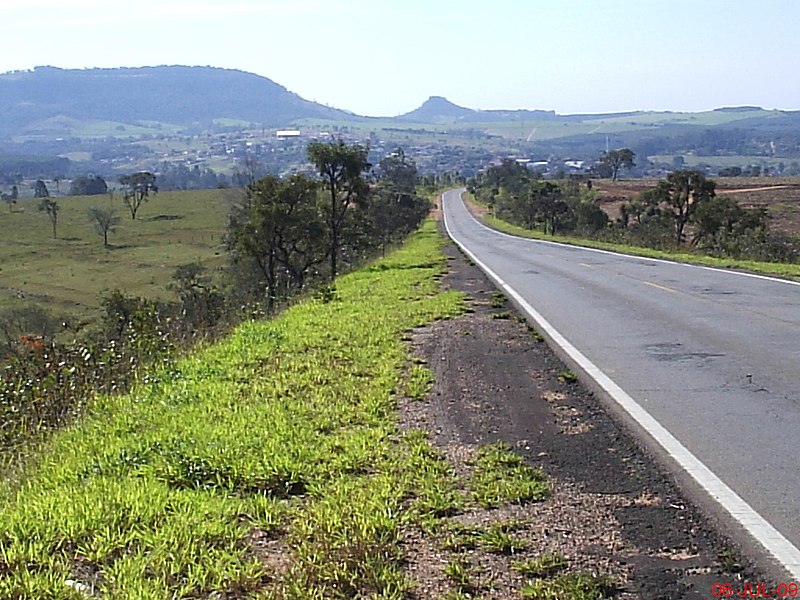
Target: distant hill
point(48, 97)
point(440, 110)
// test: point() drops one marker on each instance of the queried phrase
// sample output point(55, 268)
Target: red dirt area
point(779, 195)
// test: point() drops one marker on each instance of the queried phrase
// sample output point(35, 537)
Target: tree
point(88, 186)
point(395, 209)
point(341, 168)
point(545, 199)
point(277, 234)
point(104, 221)
point(611, 162)
point(50, 206)
point(136, 190)
point(202, 304)
point(40, 190)
point(682, 193)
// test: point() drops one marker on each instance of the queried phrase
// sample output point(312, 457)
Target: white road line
point(762, 531)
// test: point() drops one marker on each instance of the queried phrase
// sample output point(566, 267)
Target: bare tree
point(104, 220)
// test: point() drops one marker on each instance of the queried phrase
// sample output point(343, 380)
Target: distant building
point(288, 134)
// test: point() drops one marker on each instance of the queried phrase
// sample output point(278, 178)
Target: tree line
point(288, 232)
point(682, 211)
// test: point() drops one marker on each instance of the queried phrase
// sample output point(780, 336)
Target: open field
point(70, 274)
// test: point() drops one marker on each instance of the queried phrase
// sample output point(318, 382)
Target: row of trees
point(683, 209)
point(524, 198)
point(286, 232)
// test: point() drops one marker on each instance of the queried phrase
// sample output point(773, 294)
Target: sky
point(386, 57)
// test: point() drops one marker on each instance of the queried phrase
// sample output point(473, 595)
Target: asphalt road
point(712, 356)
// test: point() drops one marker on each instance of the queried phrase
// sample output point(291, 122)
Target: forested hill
point(167, 94)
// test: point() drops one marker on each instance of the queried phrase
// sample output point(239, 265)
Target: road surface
point(706, 361)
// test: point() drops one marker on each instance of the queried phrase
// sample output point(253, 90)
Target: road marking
point(661, 287)
point(588, 266)
point(773, 541)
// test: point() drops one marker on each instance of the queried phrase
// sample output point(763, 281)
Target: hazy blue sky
point(382, 57)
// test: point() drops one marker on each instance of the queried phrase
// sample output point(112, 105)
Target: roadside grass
point(70, 274)
point(786, 270)
point(502, 477)
point(278, 441)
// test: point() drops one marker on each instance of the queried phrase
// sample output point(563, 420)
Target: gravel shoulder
point(612, 510)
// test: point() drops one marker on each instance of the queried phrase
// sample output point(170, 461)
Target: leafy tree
point(277, 234)
point(681, 194)
point(137, 189)
point(40, 190)
point(612, 161)
point(202, 305)
point(720, 221)
point(547, 205)
point(342, 169)
point(104, 221)
point(50, 206)
point(395, 209)
point(88, 186)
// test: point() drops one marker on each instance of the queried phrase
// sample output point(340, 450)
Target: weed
point(501, 315)
point(498, 540)
point(577, 586)
point(538, 337)
point(500, 477)
point(460, 572)
point(542, 566)
point(567, 376)
point(729, 561)
point(498, 300)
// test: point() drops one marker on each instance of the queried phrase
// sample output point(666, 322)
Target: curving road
point(707, 362)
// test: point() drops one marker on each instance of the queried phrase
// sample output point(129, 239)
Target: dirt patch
point(611, 510)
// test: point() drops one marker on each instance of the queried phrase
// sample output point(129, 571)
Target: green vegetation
point(572, 586)
point(70, 275)
point(281, 435)
point(690, 255)
point(567, 376)
point(498, 300)
point(542, 566)
point(502, 477)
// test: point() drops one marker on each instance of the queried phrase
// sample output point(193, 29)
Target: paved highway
point(707, 362)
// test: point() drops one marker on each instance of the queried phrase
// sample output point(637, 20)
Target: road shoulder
point(612, 510)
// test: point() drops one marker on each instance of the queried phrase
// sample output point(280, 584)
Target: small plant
point(498, 300)
point(537, 336)
point(573, 586)
point(568, 376)
point(729, 561)
point(460, 572)
point(498, 540)
point(501, 477)
point(542, 566)
point(502, 315)
point(326, 294)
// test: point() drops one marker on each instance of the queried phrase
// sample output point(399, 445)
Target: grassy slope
point(281, 437)
point(69, 275)
point(789, 271)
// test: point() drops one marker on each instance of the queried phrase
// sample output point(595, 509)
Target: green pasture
point(69, 275)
